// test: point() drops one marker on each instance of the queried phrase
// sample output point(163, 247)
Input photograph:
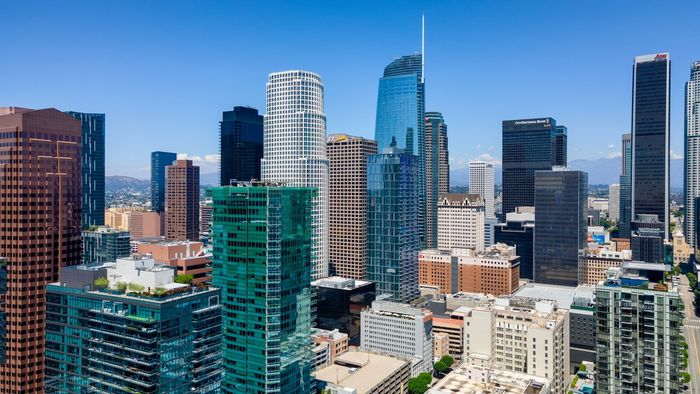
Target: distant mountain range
point(114, 183)
point(600, 172)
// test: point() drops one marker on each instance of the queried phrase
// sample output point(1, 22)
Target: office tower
point(647, 239)
point(560, 146)
point(93, 167)
point(240, 144)
point(151, 335)
point(188, 258)
point(614, 202)
point(461, 221)
point(528, 146)
point(159, 160)
point(40, 157)
point(519, 231)
point(340, 301)
point(538, 344)
point(3, 314)
point(400, 330)
point(105, 244)
point(560, 233)
point(142, 224)
point(437, 172)
point(481, 183)
point(692, 150)
point(393, 224)
point(495, 271)
point(626, 187)
point(182, 201)
point(638, 335)
point(295, 148)
point(401, 117)
point(650, 137)
point(262, 259)
point(365, 372)
point(347, 158)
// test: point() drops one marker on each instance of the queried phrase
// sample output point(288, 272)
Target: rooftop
point(472, 379)
point(396, 309)
point(337, 282)
point(563, 295)
point(360, 370)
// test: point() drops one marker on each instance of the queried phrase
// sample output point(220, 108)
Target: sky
point(163, 72)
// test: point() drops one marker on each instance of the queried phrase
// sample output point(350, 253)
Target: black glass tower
point(560, 231)
point(560, 138)
point(519, 231)
point(529, 145)
point(650, 137)
point(241, 144)
point(158, 162)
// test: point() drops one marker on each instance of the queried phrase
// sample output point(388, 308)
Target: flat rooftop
point(563, 295)
point(360, 370)
point(338, 282)
point(498, 382)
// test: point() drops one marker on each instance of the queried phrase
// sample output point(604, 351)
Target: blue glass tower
point(159, 160)
point(393, 224)
point(626, 188)
point(93, 168)
point(241, 145)
point(401, 117)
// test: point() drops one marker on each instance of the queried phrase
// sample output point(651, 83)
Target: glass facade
point(528, 146)
point(340, 307)
point(626, 187)
point(692, 151)
point(560, 227)
point(262, 262)
point(521, 235)
point(561, 146)
point(159, 160)
point(105, 244)
point(393, 224)
point(401, 117)
point(437, 172)
point(93, 168)
point(241, 144)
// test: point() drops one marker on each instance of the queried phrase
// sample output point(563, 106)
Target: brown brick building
point(182, 201)
point(40, 206)
point(189, 257)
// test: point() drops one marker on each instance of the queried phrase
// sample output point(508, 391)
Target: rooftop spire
point(422, 49)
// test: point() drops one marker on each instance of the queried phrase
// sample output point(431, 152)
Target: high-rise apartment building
point(401, 330)
point(295, 148)
point(393, 224)
point(240, 144)
point(529, 145)
point(692, 150)
point(519, 231)
point(560, 146)
point(481, 182)
point(159, 160)
point(93, 167)
point(626, 187)
point(262, 261)
point(401, 117)
point(40, 179)
point(105, 244)
point(614, 202)
point(560, 231)
point(651, 89)
point(638, 335)
point(437, 172)
point(142, 338)
point(182, 201)
point(461, 221)
point(347, 158)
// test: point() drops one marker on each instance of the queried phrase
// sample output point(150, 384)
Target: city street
point(691, 331)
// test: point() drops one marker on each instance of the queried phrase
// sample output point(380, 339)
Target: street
point(691, 331)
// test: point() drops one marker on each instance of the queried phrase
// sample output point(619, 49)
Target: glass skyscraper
point(626, 187)
point(105, 244)
point(241, 144)
point(560, 150)
point(262, 263)
point(93, 168)
point(393, 224)
point(159, 160)
point(401, 117)
point(560, 225)
point(437, 171)
point(650, 136)
point(692, 151)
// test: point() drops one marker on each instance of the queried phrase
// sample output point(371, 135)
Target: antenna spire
point(422, 49)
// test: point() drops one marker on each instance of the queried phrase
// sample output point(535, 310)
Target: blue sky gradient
point(164, 71)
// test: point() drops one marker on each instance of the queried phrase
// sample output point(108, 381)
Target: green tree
point(419, 384)
point(692, 279)
point(159, 291)
point(121, 286)
point(101, 283)
point(685, 376)
point(440, 367)
point(184, 279)
point(135, 287)
point(447, 360)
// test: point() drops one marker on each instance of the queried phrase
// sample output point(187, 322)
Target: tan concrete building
point(495, 270)
point(336, 340)
point(189, 257)
point(454, 328)
point(140, 223)
point(360, 372)
point(347, 157)
point(472, 379)
point(681, 250)
point(182, 201)
point(593, 266)
point(460, 221)
point(441, 342)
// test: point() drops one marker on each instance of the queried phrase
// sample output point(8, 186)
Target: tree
point(121, 286)
point(159, 291)
point(419, 384)
point(447, 360)
point(184, 279)
point(101, 283)
point(135, 287)
point(685, 376)
point(440, 367)
point(692, 279)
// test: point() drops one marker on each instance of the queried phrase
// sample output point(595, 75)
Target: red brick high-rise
point(40, 194)
point(182, 201)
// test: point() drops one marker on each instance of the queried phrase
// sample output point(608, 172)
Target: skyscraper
point(93, 167)
point(461, 222)
point(481, 183)
point(626, 187)
point(401, 117)
point(40, 156)
point(560, 146)
point(560, 230)
point(528, 146)
point(347, 157)
point(437, 171)
point(159, 160)
point(241, 144)
point(393, 224)
point(692, 150)
point(105, 244)
point(519, 231)
point(295, 148)
point(614, 202)
point(262, 260)
point(650, 136)
point(182, 201)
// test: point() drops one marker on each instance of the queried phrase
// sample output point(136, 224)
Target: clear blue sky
point(164, 71)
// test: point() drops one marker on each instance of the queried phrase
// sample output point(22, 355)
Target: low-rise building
point(336, 340)
point(441, 342)
point(189, 258)
point(474, 379)
point(454, 328)
point(104, 244)
point(681, 250)
point(362, 372)
point(593, 266)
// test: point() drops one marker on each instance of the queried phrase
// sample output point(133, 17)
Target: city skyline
point(504, 83)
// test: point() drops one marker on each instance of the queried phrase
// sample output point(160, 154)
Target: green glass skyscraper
point(262, 262)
